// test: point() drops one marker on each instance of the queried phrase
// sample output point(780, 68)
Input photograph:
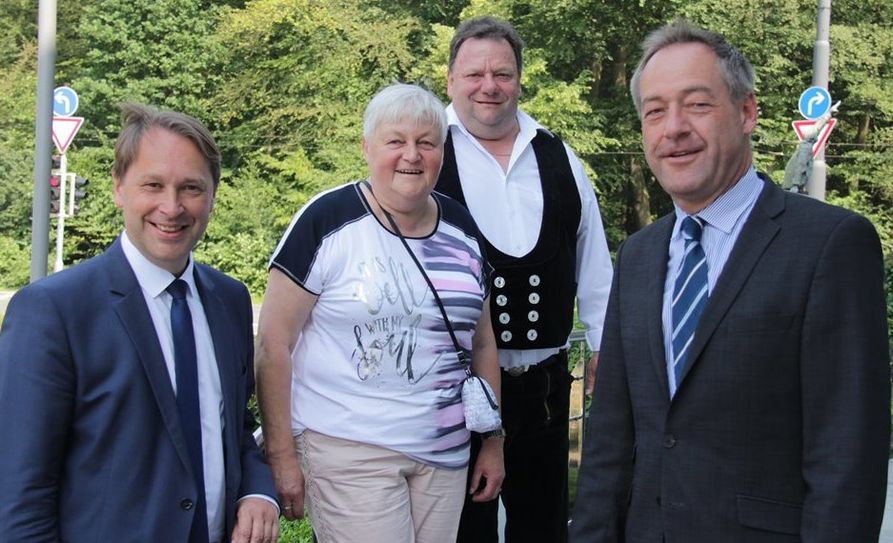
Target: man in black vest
point(535, 206)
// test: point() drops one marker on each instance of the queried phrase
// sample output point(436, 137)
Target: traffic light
point(57, 162)
point(55, 193)
point(79, 192)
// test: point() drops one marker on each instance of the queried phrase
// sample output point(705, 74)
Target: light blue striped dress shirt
point(724, 218)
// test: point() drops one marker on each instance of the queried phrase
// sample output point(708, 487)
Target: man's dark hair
point(139, 118)
point(734, 68)
point(488, 28)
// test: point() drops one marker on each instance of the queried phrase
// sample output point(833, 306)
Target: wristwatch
point(499, 432)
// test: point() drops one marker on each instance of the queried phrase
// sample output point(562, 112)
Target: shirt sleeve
point(298, 254)
point(594, 269)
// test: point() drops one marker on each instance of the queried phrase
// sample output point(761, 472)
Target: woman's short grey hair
point(402, 102)
point(734, 68)
point(139, 118)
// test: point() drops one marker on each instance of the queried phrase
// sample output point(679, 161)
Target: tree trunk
point(864, 127)
point(638, 201)
point(595, 90)
point(618, 77)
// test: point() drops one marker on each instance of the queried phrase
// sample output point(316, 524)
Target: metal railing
point(581, 357)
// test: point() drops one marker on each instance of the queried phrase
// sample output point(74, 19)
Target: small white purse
point(479, 404)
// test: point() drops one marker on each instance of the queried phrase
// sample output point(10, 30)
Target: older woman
point(358, 379)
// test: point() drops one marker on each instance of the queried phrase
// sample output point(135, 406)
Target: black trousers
point(535, 409)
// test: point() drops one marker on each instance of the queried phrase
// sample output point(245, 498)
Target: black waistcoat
point(532, 297)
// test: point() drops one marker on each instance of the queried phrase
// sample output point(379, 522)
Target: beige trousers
point(362, 493)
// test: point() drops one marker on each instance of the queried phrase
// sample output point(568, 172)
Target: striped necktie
point(690, 294)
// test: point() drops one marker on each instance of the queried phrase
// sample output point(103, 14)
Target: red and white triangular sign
point(801, 127)
point(64, 129)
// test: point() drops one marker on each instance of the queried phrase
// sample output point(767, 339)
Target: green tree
point(283, 84)
point(17, 79)
point(153, 52)
point(299, 74)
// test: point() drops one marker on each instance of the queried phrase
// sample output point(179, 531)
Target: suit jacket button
point(669, 441)
point(186, 504)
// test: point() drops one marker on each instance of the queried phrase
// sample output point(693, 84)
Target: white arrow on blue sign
point(65, 101)
point(814, 102)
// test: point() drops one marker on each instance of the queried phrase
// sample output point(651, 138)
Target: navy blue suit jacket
point(91, 446)
point(779, 430)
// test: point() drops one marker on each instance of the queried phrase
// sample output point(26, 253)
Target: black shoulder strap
point(446, 319)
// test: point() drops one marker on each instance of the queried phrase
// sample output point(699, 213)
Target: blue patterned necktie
point(690, 294)
point(186, 364)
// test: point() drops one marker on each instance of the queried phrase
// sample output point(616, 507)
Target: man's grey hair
point(403, 102)
point(734, 68)
point(488, 28)
point(139, 118)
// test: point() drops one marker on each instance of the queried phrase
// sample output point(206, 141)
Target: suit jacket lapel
point(656, 268)
point(756, 235)
point(222, 329)
point(130, 306)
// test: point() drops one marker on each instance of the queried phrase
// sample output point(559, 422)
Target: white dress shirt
point(508, 208)
point(153, 282)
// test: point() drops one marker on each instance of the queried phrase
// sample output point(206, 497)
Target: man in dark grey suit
point(124, 380)
point(743, 389)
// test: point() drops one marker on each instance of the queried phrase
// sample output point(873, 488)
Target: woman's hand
point(285, 309)
point(289, 480)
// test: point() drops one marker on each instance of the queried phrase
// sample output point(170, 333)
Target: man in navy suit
point(743, 391)
point(94, 436)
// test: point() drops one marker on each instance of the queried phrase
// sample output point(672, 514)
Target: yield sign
point(805, 129)
point(64, 129)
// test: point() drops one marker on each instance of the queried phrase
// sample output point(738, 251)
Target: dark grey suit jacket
point(91, 446)
point(779, 430)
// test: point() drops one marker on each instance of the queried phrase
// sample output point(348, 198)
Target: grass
point(297, 531)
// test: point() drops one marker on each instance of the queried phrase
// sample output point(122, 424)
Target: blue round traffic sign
point(814, 102)
point(65, 101)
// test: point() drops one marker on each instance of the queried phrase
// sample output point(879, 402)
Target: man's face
point(167, 195)
point(484, 85)
point(696, 138)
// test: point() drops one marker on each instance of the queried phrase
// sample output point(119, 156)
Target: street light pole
point(43, 146)
point(821, 61)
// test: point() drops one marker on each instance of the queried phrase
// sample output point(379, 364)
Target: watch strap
point(499, 432)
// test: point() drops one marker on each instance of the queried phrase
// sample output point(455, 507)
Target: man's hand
point(256, 521)
point(491, 467)
point(289, 480)
point(591, 366)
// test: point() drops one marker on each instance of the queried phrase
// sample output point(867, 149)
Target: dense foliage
point(283, 84)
